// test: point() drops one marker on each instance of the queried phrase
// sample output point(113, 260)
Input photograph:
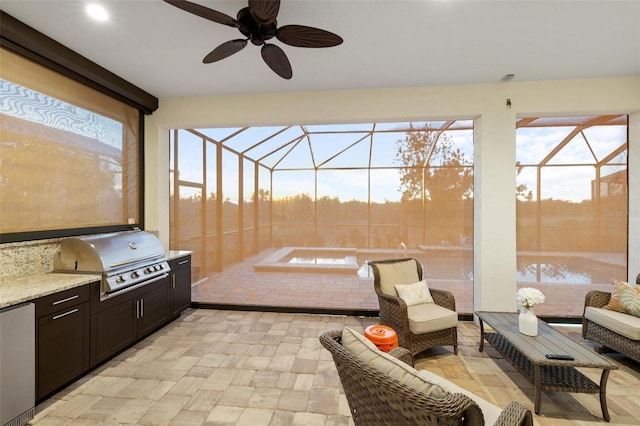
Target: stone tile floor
point(219, 367)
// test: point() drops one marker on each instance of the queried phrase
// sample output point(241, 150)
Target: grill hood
point(105, 253)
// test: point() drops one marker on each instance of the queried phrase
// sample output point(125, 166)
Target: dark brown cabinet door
point(153, 310)
point(62, 348)
point(112, 330)
point(180, 285)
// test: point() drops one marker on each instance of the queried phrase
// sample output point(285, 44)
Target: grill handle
point(139, 259)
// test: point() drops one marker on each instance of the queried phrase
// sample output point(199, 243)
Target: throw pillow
point(363, 349)
point(625, 298)
point(414, 293)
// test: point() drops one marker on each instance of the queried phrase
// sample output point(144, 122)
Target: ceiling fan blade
point(225, 50)
point(204, 12)
point(276, 59)
point(264, 11)
point(303, 36)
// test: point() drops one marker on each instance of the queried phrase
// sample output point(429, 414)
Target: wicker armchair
point(393, 312)
point(602, 335)
point(377, 399)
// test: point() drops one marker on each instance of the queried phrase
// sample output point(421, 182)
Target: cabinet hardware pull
point(141, 308)
point(73, 311)
point(137, 309)
point(173, 281)
point(182, 262)
point(57, 302)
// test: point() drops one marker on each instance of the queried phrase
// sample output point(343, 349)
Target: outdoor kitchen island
point(75, 331)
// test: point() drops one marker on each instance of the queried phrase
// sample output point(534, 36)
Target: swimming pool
point(440, 264)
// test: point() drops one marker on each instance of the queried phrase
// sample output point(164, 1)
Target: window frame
point(19, 38)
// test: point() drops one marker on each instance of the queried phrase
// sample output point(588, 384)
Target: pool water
point(530, 268)
point(306, 260)
point(567, 270)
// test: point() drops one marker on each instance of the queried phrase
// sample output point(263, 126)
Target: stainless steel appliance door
point(17, 364)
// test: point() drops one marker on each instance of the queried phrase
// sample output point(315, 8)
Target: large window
point(69, 156)
point(572, 205)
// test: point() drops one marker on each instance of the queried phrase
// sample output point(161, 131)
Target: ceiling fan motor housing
point(256, 32)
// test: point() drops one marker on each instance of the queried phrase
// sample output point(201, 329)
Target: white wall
point(494, 152)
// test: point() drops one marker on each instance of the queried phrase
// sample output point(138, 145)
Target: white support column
point(495, 211)
point(634, 197)
point(156, 178)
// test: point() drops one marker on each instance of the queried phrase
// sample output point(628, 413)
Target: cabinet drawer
point(180, 262)
point(61, 300)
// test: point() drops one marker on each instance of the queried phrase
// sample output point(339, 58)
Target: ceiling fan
point(258, 23)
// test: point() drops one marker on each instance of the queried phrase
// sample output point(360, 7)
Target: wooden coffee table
point(528, 355)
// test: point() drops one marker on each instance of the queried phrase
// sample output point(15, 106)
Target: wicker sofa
point(613, 330)
point(377, 395)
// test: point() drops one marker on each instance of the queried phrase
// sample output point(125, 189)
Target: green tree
point(431, 163)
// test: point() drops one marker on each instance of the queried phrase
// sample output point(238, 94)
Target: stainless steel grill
point(125, 260)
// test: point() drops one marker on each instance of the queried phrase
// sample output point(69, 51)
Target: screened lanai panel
point(343, 185)
point(293, 183)
point(398, 127)
point(385, 185)
point(383, 150)
point(190, 165)
point(571, 207)
point(605, 140)
point(243, 141)
point(261, 147)
point(342, 151)
point(342, 193)
point(248, 191)
point(296, 156)
point(211, 177)
point(264, 208)
point(273, 159)
point(219, 134)
point(574, 151)
point(230, 191)
point(338, 128)
point(293, 209)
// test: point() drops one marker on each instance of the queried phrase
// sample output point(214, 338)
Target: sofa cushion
point(405, 272)
point(428, 317)
point(490, 411)
point(625, 298)
point(414, 293)
point(623, 324)
point(368, 353)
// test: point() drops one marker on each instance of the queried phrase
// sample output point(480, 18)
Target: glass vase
point(528, 322)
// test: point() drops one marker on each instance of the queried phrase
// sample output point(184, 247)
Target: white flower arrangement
point(528, 296)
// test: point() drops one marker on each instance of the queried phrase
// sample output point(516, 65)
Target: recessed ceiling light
point(97, 12)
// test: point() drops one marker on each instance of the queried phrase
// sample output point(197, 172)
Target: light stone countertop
point(174, 254)
point(16, 290)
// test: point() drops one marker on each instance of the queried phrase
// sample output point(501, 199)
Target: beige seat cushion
point(428, 317)
point(423, 381)
point(623, 324)
point(368, 353)
point(405, 272)
point(491, 412)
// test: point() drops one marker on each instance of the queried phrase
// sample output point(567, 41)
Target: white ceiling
point(159, 48)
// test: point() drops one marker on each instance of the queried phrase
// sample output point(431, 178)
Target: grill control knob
point(134, 275)
point(148, 270)
point(120, 279)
